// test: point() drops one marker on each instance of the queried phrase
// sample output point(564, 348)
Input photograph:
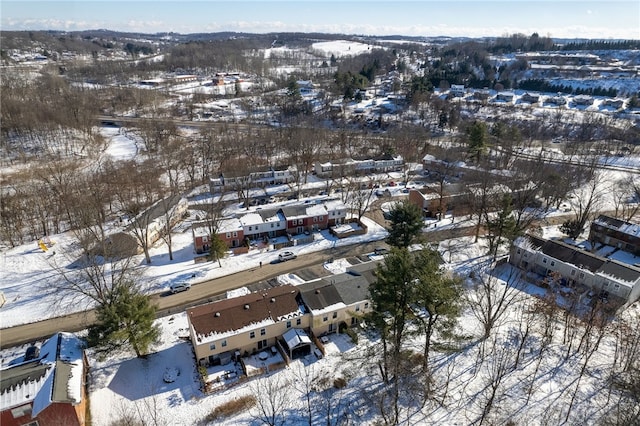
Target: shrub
point(339, 382)
point(354, 336)
point(232, 407)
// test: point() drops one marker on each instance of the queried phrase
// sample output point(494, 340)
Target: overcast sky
point(558, 18)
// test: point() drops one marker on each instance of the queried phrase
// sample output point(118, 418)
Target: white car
point(178, 287)
point(286, 255)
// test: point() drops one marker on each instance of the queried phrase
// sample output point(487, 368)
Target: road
point(199, 293)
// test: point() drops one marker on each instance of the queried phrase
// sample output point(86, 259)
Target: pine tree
point(406, 224)
point(126, 320)
point(478, 140)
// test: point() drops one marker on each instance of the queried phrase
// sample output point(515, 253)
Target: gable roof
point(55, 376)
point(319, 294)
point(566, 253)
point(224, 317)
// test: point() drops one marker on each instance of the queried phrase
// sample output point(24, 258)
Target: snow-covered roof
point(251, 219)
point(223, 318)
point(54, 376)
point(628, 228)
point(231, 224)
point(296, 337)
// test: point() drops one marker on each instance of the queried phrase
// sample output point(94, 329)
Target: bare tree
point(491, 295)
point(272, 399)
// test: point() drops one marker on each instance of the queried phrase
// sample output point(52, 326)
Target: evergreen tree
point(406, 224)
point(478, 140)
point(437, 294)
point(218, 249)
point(127, 319)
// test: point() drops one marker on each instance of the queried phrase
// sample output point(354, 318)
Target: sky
point(600, 19)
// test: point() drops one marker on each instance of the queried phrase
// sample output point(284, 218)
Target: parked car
point(178, 287)
point(286, 255)
point(170, 374)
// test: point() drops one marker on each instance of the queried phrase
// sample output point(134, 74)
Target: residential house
point(271, 223)
point(457, 90)
point(338, 300)
point(230, 328)
point(530, 98)
point(336, 212)
point(347, 167)
point(556, 100)
point(611, 279)
point(614, 103)
point(151, 225)
point(231, 180)
point(481, 94)
point(266, 223)
point(305, 218)
point(615, 232)
point(583, 100)
point(279, 316)
point(46, 386)
point(505, 96)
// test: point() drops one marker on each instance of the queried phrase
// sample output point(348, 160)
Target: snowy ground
point(124, 385)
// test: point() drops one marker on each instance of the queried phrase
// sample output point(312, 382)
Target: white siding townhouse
point(614, 280)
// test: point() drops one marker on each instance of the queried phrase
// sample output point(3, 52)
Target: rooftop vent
point(317, 291)
point(246, 307)
point(273, 300)
point(217, 314)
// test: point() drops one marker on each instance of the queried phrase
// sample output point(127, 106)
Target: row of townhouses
point(287, 317)
point(350, 166)
point(259, 178)
point(617, 233)
point(574, 266)
point(272, 223)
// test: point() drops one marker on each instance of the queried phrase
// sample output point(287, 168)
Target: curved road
point(172, 303)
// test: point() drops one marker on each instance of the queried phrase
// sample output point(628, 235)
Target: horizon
point(560, 19)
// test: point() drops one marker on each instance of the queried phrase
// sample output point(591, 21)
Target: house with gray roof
point(46, 386)
point(338, 299)
point(573, 266)
point(617, 233)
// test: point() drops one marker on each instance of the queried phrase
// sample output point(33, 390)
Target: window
point(235, 234)
point(212, 347)
point(298, 321)
point(573, 273)
point(272, 224)
point(315, 218)
point(544, 260)
point(263, 331)
point(224, 343)
point(325, 318)
point(616, 287)
point(553, 263)
point(288, 324)
point(228, 234)
point(357, 308)
point(581, 275)
point(366, 305)
point(252, 335)
point(249, 228)
point(335, 315)
point(21, 411)
point(518, 251)
point(606, 284)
